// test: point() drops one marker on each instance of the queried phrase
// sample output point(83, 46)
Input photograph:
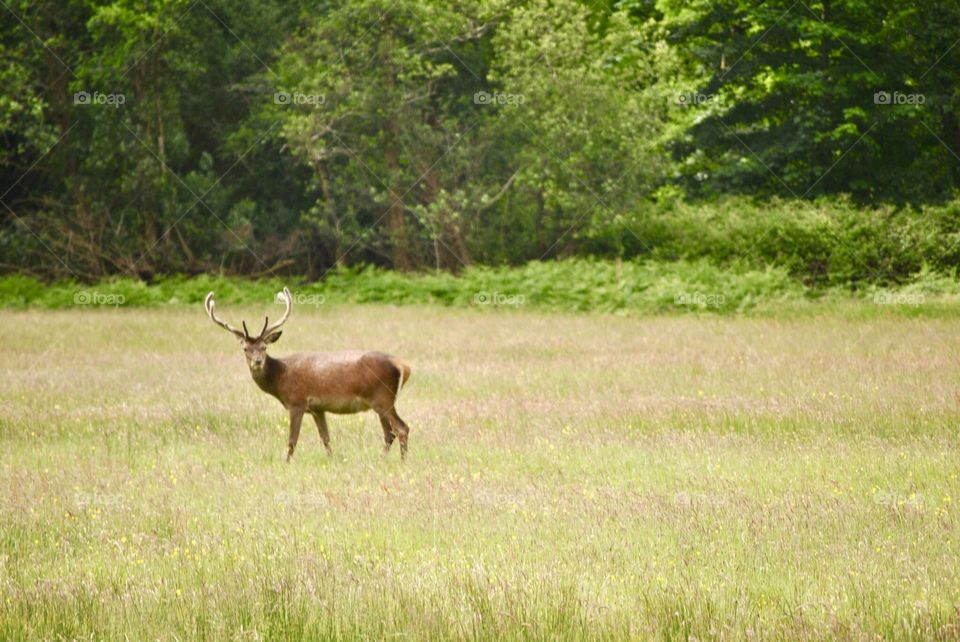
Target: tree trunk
point(395, 222)
point(454, 248)
point(538, 224)
point(330, 210)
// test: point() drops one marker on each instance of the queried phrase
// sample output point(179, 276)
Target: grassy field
point(570, 477)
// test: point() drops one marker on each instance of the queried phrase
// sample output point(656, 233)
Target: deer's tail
point(404, 369)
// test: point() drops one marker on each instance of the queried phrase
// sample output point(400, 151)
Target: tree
point(788, 98)
point(368, 93)
point(586, 130)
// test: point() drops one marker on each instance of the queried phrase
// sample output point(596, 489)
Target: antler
point(270, 329)
point(267, 328)
point(208, 304)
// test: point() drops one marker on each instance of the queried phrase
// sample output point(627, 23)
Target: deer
point(318, 383)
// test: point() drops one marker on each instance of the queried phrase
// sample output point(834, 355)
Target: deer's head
point(254, 347)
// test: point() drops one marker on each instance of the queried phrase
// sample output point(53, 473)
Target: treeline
point(266, 138)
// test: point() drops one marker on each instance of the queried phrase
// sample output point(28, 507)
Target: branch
point(503, 190)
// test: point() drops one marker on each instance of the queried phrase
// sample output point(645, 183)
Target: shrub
point(824, 242)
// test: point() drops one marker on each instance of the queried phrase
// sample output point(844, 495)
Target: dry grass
point(570, 477)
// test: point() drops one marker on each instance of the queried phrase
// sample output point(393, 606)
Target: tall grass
point(570, 477)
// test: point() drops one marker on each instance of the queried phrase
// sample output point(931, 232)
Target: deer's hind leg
point(394, 426)
point(388, 435)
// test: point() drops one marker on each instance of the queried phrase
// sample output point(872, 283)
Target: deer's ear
point(270, 338)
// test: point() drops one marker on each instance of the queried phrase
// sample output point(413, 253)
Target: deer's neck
point(268, 377)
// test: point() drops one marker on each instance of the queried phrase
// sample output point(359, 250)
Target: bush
point(572, 285)
point(630, 287)
point(827, 242)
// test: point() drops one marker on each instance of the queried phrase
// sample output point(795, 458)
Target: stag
point(321, 382)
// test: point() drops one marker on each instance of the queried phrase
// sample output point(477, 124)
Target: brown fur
point(322, 382)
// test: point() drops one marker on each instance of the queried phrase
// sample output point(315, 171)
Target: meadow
point(571, 476)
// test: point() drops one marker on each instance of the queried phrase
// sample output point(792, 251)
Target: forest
point(268, 138)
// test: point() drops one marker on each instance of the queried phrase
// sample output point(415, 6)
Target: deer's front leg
point(296, 415)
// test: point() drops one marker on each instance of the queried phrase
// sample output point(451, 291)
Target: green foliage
point(573, 285)
point(727, 256)
point(804, 99)
point(419, 134)
point(824, 242)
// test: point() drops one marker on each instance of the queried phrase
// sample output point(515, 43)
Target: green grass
point(570, 477)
